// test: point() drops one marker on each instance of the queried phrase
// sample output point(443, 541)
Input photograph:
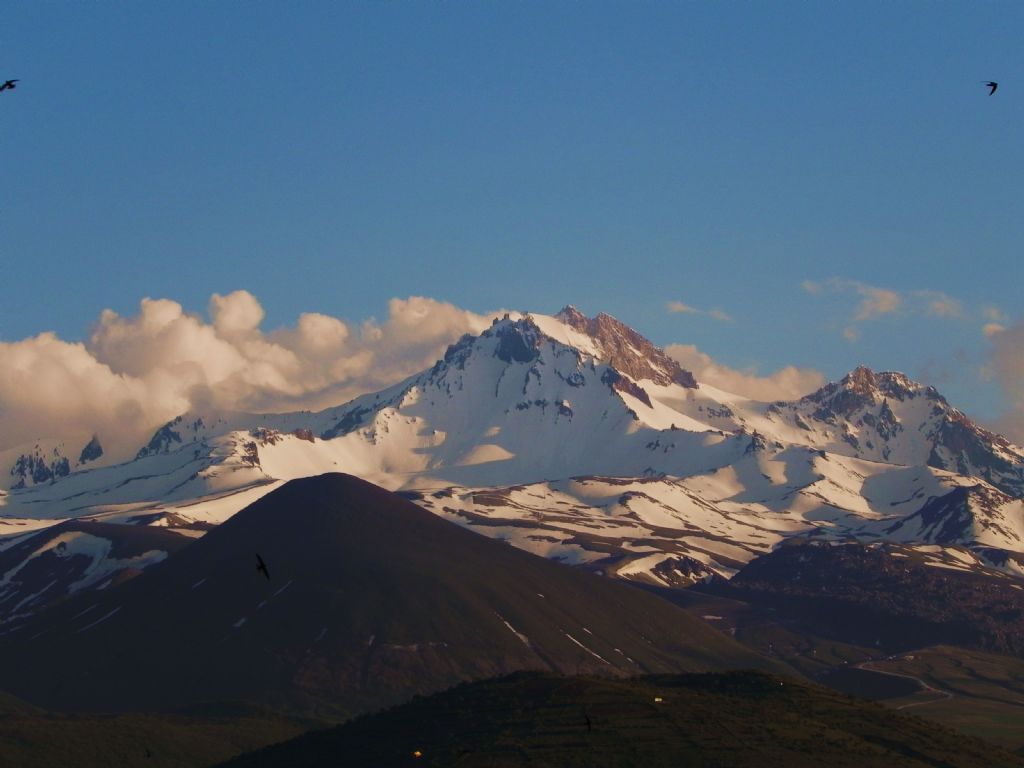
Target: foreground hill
point(735, 719)
point(32, 738)
point(369, 600)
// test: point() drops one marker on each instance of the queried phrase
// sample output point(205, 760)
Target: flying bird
point(8, 86)
point(992, 86)
point(261, 566)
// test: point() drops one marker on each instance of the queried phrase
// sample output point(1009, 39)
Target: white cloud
point(813, 287)
point(238, 313)
point(787, 383)
point(678, 307)
point(50, 387)
point(875, 302)
point(137, 372)
point(940, 305)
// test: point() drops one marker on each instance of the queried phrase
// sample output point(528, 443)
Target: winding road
point(925, 688)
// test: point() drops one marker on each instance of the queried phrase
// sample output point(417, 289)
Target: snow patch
point(282, 589)
point(101, 619)
point(581, 645)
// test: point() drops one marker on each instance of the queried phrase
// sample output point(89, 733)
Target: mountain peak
point(625, 349)
point(860, 379)
point(571, 316)
point(518, 340)
point(872, 409)
point(864, 381)
point(863, 387)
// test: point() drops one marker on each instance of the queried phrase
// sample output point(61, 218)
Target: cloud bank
point(137, 372)
point(787, 383)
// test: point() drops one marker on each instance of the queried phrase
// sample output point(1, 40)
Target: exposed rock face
point(860, 389)
point(969, 445)
point(518, 341)
point(347, 423)
point(162, 440)
point(620, 383)
point(965, 514)
point(683, 571)
point(887, 412)
point(885, 423)
point(757, 443)
point(948, 518)
point(626, 350)
point(35, 468)
point(92, 451)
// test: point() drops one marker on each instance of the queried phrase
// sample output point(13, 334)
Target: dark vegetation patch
point(32, 737)
point(732, 719)
point(866, 595)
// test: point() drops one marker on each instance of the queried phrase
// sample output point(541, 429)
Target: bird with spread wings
point(261, 566)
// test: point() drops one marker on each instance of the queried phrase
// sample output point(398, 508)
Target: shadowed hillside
point(369, 600)
point(735, 719)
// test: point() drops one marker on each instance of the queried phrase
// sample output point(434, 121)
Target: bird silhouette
point(261, 566)
point(992, 86)
point(8, 85)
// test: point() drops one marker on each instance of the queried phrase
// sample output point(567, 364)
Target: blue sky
point(776, 162)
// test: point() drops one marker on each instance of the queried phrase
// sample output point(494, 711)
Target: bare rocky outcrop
point(626, 350)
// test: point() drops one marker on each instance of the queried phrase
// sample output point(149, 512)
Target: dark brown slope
point(735, 719)
point(884, 596)
point(45, 568)
point(370, 599)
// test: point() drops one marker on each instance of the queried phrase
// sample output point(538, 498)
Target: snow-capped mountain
point(674, 530)
point(578, 439)
point(887, 417)
point(47, 461)
point(515, 404)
